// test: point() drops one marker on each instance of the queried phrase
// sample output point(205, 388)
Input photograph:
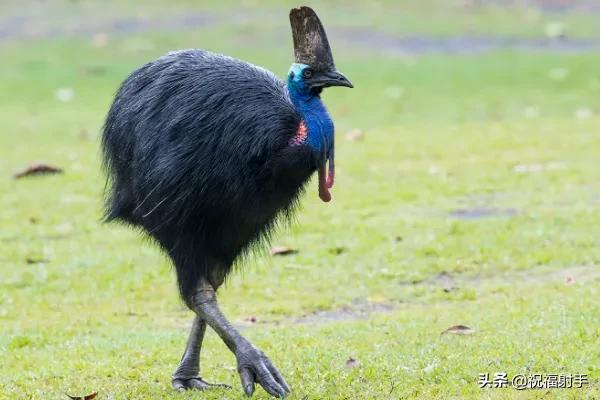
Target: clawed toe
point(196, 384)
point(255, 367)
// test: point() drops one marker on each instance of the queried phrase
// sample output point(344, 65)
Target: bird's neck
point(318, 123)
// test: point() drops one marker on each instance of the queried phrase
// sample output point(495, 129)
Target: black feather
point(196, 150)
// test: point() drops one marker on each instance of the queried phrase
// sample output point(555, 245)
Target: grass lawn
point(468, 193)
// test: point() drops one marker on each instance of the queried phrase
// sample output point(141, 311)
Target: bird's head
point(306, 79)
point(313, 69)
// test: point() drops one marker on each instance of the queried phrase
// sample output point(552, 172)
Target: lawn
point(468, 192)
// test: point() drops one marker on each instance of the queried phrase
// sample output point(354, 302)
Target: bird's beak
point(323, 79)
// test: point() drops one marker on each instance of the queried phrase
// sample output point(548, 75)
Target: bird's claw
point(182, 384)
point(255, 367)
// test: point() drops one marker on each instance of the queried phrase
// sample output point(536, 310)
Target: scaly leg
point(253, 366)
point(186, 376)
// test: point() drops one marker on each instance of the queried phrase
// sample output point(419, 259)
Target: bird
point(206, 154)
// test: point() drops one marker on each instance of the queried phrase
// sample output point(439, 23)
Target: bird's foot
point(182, 384)
point(255, 367)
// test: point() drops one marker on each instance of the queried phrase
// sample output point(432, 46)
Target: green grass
point(501, 131)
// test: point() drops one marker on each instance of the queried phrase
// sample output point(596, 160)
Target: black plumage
point(196, 146)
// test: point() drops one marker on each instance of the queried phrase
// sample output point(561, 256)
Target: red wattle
point(324, 193)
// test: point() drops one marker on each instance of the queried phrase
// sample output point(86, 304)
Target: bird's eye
point(307, 73)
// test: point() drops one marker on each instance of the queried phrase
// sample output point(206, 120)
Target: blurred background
point(468, 193)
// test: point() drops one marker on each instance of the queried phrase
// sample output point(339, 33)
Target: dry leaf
point(282, 251)
point(338, 250)
point(87, 397)
point(352, 363)
point(35, 260)
point(459, 330)
point(38, 169)
point(354, 135)
point(569, 280)
point(251, 319)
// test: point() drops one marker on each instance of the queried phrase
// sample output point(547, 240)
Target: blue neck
point(318, 122)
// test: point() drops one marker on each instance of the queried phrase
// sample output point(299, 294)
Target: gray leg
point(253, 366)
point(186, 376)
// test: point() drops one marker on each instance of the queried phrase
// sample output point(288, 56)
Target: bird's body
point(205, 153)
point(206, 160)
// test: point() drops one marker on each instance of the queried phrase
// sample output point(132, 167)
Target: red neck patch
point(300, 136)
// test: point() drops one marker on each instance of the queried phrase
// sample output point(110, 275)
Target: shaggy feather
point(196, 147)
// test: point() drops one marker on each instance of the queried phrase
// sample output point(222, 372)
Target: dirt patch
point(363, 309)
point(550, 6)
point(482, 212)
point(358, 309)
point(34, 27)
point(542, 274)
point(465, 44)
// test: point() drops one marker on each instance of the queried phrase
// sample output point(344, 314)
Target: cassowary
point(204, 153)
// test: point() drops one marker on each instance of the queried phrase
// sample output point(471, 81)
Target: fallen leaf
point(354, 135)
point(251, 319)
point(38, 169)
point(338, 250)
point(87, 397)
point(569, 280)
point(35, 260)
point(282, 251)
point(352, 363)
point(459, 330)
